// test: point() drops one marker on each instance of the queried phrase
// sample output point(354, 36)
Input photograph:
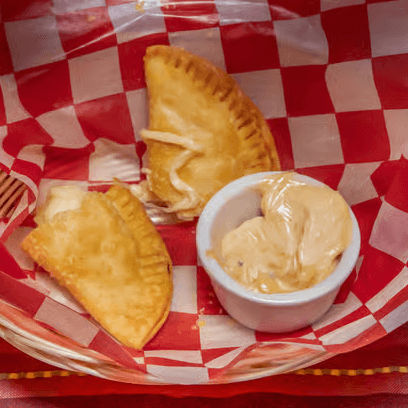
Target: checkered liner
point(329, 77)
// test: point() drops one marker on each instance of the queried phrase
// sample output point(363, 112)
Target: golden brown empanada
point(107, 252)
point(204, 132)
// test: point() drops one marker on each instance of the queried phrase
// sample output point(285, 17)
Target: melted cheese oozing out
point(62, 198)
point(295, 244)
point(191, 198)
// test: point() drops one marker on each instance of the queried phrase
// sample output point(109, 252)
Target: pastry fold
point(203, 133)
point(109, 255)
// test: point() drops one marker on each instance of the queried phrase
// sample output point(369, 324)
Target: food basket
point(328, 76)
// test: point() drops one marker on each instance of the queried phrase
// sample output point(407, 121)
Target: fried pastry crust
point(204, 132)
point(111, 258)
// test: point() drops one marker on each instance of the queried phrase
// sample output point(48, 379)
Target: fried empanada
point(204, 132)
point(107, 252)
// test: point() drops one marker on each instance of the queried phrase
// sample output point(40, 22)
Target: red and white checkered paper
point(329, 77)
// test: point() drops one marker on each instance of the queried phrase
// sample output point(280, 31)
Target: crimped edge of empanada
point(123, 201)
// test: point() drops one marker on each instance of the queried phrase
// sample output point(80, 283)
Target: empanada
point(107, 252)
point(204, 132)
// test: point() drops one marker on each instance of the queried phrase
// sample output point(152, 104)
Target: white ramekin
point(274, 313)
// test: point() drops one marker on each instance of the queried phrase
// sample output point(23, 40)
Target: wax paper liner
point(329, 77)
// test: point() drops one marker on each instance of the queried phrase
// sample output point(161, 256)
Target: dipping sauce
point(295, 244)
